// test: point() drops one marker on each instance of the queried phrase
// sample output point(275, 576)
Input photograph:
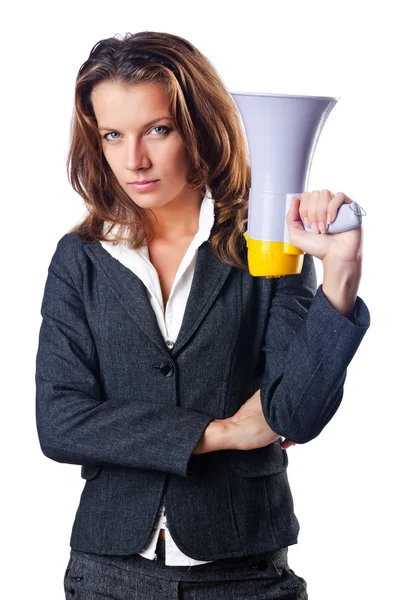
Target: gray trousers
point(265, 576)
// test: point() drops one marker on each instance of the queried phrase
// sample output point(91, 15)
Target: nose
point(137, 156)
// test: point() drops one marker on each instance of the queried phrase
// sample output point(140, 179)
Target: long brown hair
point(204, 115)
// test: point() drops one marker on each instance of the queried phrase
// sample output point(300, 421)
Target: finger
point(313, 210)
point(322, 209)
point(312, 206)
point(337, 201)
point(287, 444)
point(303, 208)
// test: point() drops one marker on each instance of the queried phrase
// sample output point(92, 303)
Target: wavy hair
point(205, 116)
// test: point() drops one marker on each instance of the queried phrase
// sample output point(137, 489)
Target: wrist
point(340, 285)
point(216, 436)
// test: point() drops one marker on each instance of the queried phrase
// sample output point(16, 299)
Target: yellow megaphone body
point(282, 133)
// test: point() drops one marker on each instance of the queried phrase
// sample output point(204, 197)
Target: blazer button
point(167, 369)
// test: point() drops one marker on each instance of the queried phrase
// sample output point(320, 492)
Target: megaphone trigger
point(359, 214)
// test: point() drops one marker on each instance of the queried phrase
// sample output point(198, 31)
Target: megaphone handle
point(348, 216)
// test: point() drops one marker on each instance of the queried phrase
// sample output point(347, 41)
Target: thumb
point(293, 216)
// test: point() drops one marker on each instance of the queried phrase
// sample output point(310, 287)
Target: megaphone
point(282, 132)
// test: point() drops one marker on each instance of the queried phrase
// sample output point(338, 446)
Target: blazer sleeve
point(308, 346)
point(74, 423)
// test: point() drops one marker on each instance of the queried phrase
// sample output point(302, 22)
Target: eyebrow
point(143, 126)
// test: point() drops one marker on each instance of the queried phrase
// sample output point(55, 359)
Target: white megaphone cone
point(282, 133)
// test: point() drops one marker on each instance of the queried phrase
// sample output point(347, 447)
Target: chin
point(150, 201)
point(153, 199)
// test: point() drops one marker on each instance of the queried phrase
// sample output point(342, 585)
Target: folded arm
point(75, 423)
point(308, 347)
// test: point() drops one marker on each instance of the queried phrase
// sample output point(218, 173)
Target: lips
point(145, 187)
point(142, 182)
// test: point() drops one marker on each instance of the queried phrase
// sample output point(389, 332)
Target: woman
point(165, 369)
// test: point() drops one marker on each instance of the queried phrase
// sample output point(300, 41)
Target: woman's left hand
point(313, 209)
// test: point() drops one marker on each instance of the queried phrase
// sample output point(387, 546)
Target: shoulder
point(69, 256)
point(71, 244)
point(71, 240)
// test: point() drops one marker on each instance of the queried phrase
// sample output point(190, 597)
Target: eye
point(167, 129)
point(110, 133)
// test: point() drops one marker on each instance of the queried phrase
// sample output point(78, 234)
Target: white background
point(342, 481)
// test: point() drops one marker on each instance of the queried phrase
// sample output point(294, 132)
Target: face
point(140, 143)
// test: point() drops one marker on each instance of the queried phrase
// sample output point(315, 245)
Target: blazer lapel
point(209, 276)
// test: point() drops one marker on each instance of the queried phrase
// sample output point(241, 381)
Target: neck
point(178, 219)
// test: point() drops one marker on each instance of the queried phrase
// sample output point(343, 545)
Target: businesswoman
point(174, 378)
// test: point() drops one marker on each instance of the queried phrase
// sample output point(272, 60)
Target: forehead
point(115, 102)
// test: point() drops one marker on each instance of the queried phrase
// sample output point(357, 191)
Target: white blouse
point(169, 323)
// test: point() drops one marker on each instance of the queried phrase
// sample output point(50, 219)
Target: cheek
point(108, 157)
point(181, 161)
point(174, 162)
point(113, 161)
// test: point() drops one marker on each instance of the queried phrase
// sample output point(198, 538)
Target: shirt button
point(169, 344)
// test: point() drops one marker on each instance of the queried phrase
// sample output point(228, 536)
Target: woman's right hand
point(250, 429)
point(247, 429)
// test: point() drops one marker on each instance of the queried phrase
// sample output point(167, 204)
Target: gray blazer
point(112, 397)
